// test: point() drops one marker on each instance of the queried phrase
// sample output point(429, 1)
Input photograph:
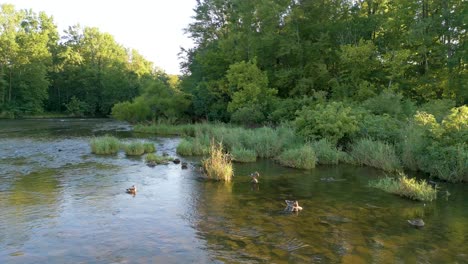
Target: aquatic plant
point(300, 158)
point(153, 158)
point(376, 154)
point(243, 155)
point(406, 187)
point(149, 147)
point(104, 145)
point(134, 149)
point(218, 165)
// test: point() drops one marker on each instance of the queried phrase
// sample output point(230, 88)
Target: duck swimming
point(132, 190)
point(292, 206)
point(255, 176)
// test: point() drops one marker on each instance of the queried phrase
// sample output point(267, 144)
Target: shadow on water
point(62, 204)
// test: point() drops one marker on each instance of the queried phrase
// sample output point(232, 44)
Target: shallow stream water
point(61, 204)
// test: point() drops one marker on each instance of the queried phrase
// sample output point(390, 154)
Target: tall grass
point(243, 155)
point(327, 153)
point(300, 158)
point(149, 147)
point(105, 145)
point(218, 165)
point(376, 154)
point(134, 149)
point(406, 187)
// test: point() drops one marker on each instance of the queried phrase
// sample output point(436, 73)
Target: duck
point(255, 176)
point(176, 161)
point(416, 222)
point(184, 165)
point(292, 206)
point(132, 190)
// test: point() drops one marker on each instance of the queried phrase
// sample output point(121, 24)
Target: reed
point(149, 147)
point(406, 187)
point(218, 165)
point(376, 154)
point(300, 158)
point(243, 155)
point(105, 145)
point(327, 153)
point(134, 149)
point(153, 158)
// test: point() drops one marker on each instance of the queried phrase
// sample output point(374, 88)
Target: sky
point(153, 27)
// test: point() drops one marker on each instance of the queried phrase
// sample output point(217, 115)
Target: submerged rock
point(416, 222)
point(176, 161)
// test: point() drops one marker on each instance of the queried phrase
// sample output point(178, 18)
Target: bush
point(327, 153)
point(105, 145)
point(134, 149)
point(218, 166)
point(243, 155)
point(380, 127)
point(76, 107)
point(406, 187)
point(438, 108)
point(376, 154)
point(248, 115)
point(149, 147)
point(332, 121)
point(300, 158)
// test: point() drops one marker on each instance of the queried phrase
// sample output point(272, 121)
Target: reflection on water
point(61, 204)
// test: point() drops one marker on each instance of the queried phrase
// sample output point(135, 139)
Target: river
point(61, 204)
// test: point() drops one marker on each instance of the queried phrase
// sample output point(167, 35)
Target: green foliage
point(327, 153)
point(387, 102)
point(406, 187)
point(380, 127)
point(185, 148)
point(134, 149)
point(248, 115)
point(198, 146)
point(333, 121)
point(76, 107)
point(137, 111)
point(218, 165)
point(156, 159)
point(243, 155)
point(300, 158)
point(104, 145)
point(375, 154)
point(149, 147)
point(438, 108)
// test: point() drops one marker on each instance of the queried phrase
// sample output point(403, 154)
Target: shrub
point(406, 187)
point(380, 127)
point(105, 145)
point(376, 154)
point(151, 157)
point(300, 158)
point(243, 155)
point(134, 149)
point(438, 108)
point(248, 115)
point(332, 121)
point(218, 166)
point(149, 147)
point(326, 152)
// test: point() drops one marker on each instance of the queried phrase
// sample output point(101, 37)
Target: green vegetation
point(327, 153)
point(149, 147)
point(105, 145)
point(406, 187)
point(156, 159)
point(134, 149)
point(375, 154)
point(300, 158)
point(243, 155)
point(218, 166)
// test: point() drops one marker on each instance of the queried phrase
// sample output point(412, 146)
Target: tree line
point(81, 72)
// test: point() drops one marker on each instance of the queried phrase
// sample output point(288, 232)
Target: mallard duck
point(184, 165)
point(132, 190)
point(292, 206)
point(255, 176)
point(176, 161)
point(416, 222)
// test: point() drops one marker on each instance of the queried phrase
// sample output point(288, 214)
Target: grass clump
point(243, 155)
point(406, 187)
point(218, 165)
point(149, 147)
point(376, 154)
point(300, 158)
point(327, 153)
point(105, 145)
point(156, 159)
point(134, 149)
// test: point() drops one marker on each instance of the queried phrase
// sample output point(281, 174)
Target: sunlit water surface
point(61, 204)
